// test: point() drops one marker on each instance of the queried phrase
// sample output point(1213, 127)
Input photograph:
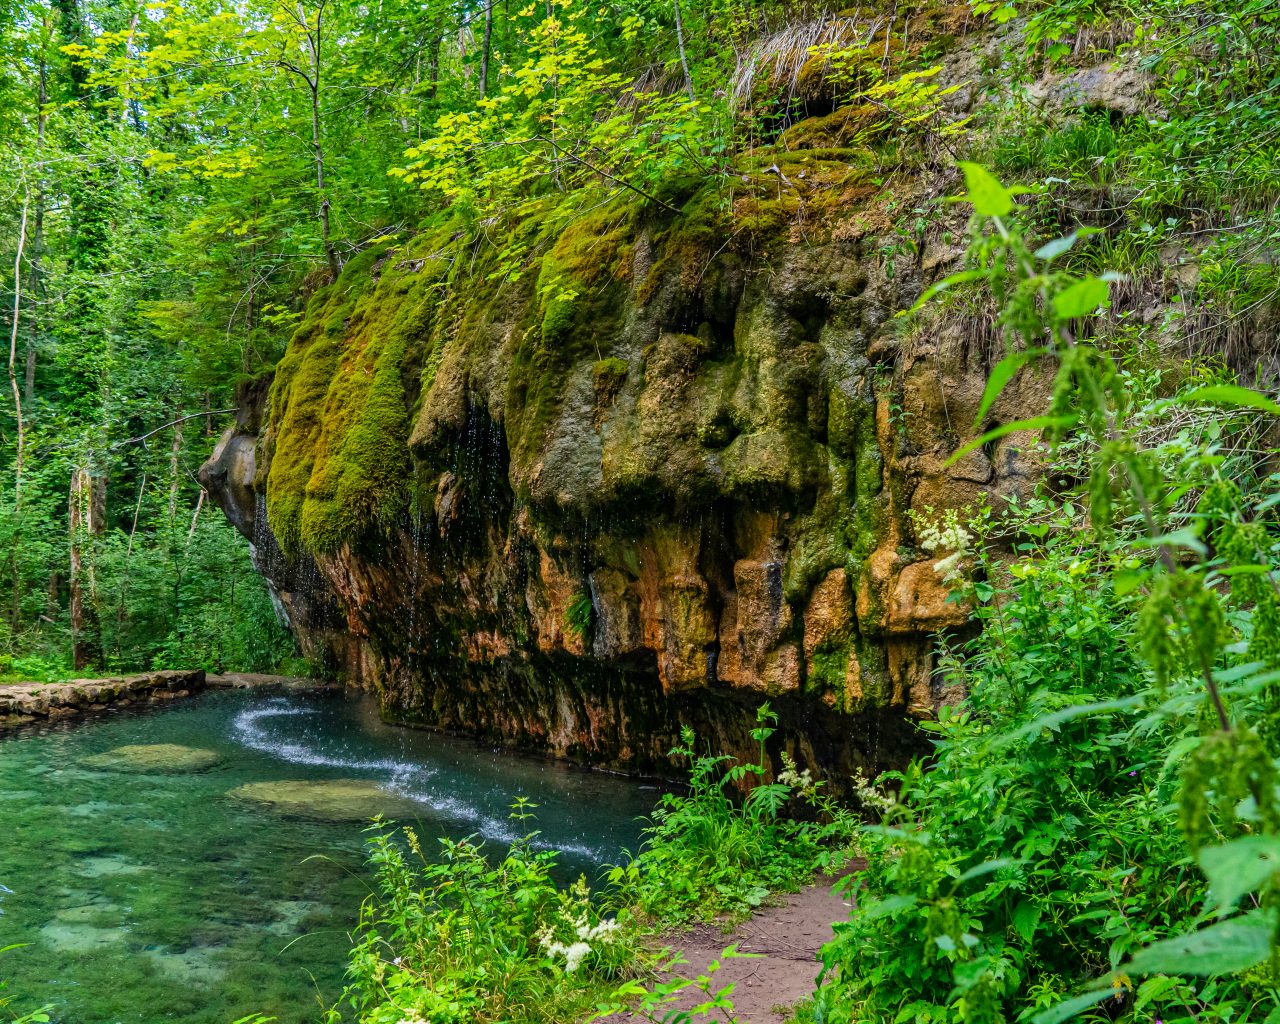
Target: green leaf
point(1003, 372)
point(1056, 718)
point(1239, 867)
point(1223, 948)
point(1229, 394)
point(989, 197)
point(987, 868)
point(1081, 298)
point(1126, 581)
point(886, 907)
point(950, 281)
point(1035, 423)
point(1183, 538)
point(1026, 915)
point(1072, 1007)
point(1052, 250)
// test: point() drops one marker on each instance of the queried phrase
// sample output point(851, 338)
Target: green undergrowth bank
point(454, 936)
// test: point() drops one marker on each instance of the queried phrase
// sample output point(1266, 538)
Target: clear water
point(156, 897)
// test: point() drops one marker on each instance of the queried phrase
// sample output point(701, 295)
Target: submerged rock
point(334, 800)
point(154, 757)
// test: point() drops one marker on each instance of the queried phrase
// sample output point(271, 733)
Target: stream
point(149, 895)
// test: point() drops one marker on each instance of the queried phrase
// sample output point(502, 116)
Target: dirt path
point(787, 937)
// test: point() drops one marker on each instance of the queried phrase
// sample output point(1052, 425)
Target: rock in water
point(335, 800)
point(154, 757)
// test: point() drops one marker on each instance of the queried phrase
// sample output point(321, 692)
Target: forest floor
point(785, 938)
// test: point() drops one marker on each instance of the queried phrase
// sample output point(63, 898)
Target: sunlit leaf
point(1081, 298)
point(1223, 948)
point(1239, 867)
point(1072, 1007)
point(1230, 394)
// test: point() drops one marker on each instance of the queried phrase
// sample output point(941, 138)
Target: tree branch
point(172, 423)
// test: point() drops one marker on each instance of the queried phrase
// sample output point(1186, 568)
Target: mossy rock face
point(159, 758)
point(328, 800)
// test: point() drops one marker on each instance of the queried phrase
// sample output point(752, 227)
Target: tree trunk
point(86, 515)
point(488, 45)
point(175, 451)
point(36, 263)
point(314, 37)
point(684, 60)
point(13, 357)
point(15, 608)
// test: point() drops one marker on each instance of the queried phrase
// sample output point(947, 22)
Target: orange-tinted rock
point(922, 602)
point(829, 615)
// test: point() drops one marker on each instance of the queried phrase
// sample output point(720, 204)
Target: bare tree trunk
point(13, 355)
point(684, 60)
point(15, 609)
point(175, 452)
point(86, 516)
point(128, 557)
point(36, 262)
point(195, 516)
point(488, 45)
point(313, 34)
point(29, 376)
point(433, 60)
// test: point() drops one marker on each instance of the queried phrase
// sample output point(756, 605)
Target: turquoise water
point(159, 897)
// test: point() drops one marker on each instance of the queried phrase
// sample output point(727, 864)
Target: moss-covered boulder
point(328, 800)
point(153, 758)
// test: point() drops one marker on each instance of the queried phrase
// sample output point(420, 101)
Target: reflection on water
point(149, 896)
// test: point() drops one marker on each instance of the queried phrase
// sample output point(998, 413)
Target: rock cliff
point(662, 476)
point(572, 481)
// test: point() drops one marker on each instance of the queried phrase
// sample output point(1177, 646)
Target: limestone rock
point(922, 602)
point(153, 758)
point(336, 800)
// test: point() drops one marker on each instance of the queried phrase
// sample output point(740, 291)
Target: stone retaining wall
point(29, 702)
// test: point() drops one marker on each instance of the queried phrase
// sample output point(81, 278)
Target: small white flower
point(949, 567)
point(574, 955)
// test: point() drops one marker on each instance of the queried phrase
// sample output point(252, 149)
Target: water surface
point(157, 897)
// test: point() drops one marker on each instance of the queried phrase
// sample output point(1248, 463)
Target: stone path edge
point(21, 703)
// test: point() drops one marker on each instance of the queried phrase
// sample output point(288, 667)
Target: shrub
point(711, 851)
point(464, 940)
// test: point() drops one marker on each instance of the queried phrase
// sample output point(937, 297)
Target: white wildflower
point(573, 954)
point(949, 567)
point(602, 932)
point(946, 534)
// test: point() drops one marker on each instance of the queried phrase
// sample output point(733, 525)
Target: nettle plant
point(713, 851)
point(1098, 830)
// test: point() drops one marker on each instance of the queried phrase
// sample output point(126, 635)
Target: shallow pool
point(151, 895)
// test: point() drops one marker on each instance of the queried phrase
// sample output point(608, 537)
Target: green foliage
point(726, 845)
point(465, 938)
point(578, 616)
point(461, 939)
point(1127, 654)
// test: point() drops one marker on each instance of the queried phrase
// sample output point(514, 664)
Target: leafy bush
point(1122, 697)
point(463, 940)
point(710, 851)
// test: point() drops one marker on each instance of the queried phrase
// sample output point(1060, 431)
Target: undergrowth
point(453, 936)
point(1097, 833)
point(709, 852)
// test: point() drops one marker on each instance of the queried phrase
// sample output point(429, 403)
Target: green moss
point(609, 376)
point(339, 408)
point(829, 669)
